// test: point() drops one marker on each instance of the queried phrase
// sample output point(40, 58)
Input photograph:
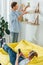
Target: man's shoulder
point(24, 62)
point(12, 14)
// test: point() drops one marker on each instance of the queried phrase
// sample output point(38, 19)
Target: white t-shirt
point(24, 62)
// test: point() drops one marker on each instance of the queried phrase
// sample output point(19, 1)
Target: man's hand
point(17, 58)
point(23, 13)
point(21, 16)
point(26, 7)
point(18, 55)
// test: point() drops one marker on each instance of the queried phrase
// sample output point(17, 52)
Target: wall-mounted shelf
point(36, 11)
point(33, 12)
point(31, 23)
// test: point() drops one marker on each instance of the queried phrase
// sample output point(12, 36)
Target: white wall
point(40, 39)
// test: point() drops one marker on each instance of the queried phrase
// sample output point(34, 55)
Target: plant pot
point(2, 41)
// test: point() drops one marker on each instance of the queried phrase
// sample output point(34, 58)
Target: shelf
point(35, 11)
point(31, 23)
point(31, 12)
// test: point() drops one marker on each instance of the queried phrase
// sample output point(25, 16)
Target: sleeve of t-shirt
point(19, 13)
point(24, 62)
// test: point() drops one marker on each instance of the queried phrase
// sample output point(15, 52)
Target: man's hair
point(32, 54)
point(13, 4)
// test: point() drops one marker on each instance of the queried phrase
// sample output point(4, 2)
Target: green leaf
point(6, 25)
point(7, 31)
point(1, 32)
point(2, 18)
point(3, 21)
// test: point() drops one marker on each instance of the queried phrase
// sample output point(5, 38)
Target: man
point(18, 58)
point(25, 61)
point(15, 18)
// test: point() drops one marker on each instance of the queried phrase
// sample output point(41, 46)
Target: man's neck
point(14, 9)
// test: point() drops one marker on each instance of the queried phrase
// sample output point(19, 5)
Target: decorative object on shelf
point(38, 12)
point(26, 19)
point(24, 8)
point(37, 9)
point(3, 29)
point(36, 21)
point(29, 4)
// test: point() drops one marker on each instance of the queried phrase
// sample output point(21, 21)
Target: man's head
point(14, 5)
point(32, 54)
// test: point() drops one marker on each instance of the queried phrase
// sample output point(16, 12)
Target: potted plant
point(3, 29)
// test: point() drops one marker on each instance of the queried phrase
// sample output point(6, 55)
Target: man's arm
point(21, 16)
point(24, 8)
point(23, 12)
point(17, 58)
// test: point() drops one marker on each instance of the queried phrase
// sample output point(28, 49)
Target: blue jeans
point(12, 54)
point(13, 37)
